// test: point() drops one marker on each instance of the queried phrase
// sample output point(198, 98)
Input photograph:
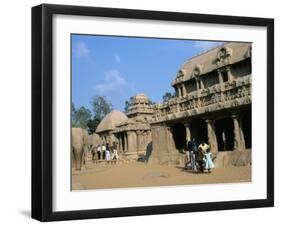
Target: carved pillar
point(125, 142)
point(197, 84)
point(183, 90)
point(201, 83)
point(119, 142)
point(187, 129)
point(186, 90)
point(171, 147)
point(229, 74)
point(220, 77)
point(237, 133)
point(180, 90)
point(212, 139)
point(243, 144)
point(131, 141)
point(138, 141)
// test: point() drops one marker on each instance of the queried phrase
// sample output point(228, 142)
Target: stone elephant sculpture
point(93, 140)
point(79, 147)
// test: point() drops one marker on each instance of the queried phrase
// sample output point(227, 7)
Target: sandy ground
point(99, 176)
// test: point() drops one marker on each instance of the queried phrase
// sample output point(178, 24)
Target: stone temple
point(212, 104)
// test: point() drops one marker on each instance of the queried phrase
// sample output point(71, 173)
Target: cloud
point(80, 49)
point(203, 46)
point(117, 58)
point(113, 83)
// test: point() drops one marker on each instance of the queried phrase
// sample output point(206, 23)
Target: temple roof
point(141, 98)
point(110, 121)
point(208, 61)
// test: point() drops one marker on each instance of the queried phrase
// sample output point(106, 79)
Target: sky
point(121, 67)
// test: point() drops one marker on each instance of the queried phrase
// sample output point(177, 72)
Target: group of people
point(198, 158)
point(106, 152)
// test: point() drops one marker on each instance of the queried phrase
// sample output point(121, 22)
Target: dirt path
point(142, 175)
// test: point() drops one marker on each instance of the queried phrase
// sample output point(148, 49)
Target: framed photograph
point(139, 112)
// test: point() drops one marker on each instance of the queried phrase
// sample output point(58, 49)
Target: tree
point(128, 103)
point(101, 107)
point(73, 114)
point(167, 96)
point(80, 116)
point(93, 124)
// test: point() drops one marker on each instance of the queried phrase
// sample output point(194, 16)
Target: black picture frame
point(42, 111)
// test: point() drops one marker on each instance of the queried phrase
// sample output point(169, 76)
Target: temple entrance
point(198, 129)
point(247, 128)
point(224, 134)
point(179, 135)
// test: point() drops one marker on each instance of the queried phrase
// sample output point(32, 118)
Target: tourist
point(103, 148)
point(93, 151)
point(192, 149)
point(201, 160)
point(107, 152)
point(115, 153)
point(209, 162)
point(99, 152)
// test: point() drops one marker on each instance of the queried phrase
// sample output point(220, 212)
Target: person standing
point(94, 151)
point(99, 152)
point(107, 152)
point(192, 149)
point(209, 162)
point(203, 147)
point(115, 153)
point(103, 148)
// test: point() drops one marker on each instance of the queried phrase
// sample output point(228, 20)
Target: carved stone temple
point(212, 104)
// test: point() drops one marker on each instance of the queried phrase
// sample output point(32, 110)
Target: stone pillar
point(187, 129)
point(119, 142)
point(180, 91)
point(160, 151)
point(138, 140)
point(201, 83)
point(183, 90)
point(212, 139)
point(229, 74)
point(243, 144)
point(237, 133)
point(220, 77)
point(125, 142)
point(131, 141)
point(197, 84)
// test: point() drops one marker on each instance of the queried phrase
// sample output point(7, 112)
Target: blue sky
point(120, 67)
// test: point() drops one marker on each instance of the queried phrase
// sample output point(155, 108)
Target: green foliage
point(93, 124)
point(128, 103)
point(80, 116)
point(101, 107)
point(167, 96)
